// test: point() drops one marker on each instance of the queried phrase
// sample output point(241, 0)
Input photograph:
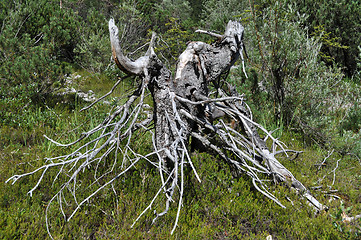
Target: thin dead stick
point(180, 194)
point(210, 33)
point(324, 160)
point(101, 98)
point(334, 172)
point(154, 198)
point(102, 187)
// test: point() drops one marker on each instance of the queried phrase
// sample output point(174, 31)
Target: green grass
point(221, 207)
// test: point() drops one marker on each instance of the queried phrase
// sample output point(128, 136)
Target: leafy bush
point(216, 14)
point(93, 51)
point(286, 60)
point(341, 20)
point(36, 39)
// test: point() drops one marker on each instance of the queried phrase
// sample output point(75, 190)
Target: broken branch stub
point(136, 67)
point(184, 108)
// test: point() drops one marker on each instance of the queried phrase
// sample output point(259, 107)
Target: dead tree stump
point(188, 107)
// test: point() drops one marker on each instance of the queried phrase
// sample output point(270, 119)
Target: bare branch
point(104, 96)
point(136, 67)
point(324, 160)
point(210, 33)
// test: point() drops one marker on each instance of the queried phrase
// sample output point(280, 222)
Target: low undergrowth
point(222, 206)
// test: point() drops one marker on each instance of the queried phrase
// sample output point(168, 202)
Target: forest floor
point(221, 207)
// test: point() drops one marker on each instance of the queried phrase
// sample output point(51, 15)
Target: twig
point(104, 96)
point(324, 160)
point(209, 33)
point(334, 172)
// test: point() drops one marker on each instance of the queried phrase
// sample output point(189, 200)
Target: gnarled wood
point(199, 65)
point(136, 67)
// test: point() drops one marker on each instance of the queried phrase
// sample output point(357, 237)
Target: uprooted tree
point(191, 110)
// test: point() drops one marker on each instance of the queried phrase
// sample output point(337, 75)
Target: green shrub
point(216, 14)
point(37, 39)
point(353, 121)
point(341, 21)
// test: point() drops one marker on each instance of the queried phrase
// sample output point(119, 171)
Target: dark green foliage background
point(303, 64)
